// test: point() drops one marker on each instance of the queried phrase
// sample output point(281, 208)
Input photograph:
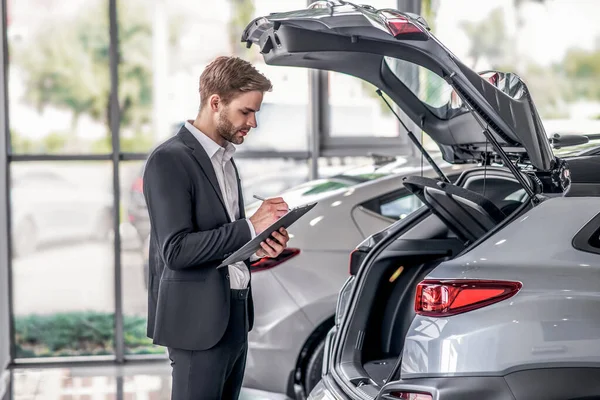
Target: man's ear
point(213, 102)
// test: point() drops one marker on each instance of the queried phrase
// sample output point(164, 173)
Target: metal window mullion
point(268, 154)
point(5, 149)
point(115, 121)
point(318, 117)
point(59, 157)
point(412, 6)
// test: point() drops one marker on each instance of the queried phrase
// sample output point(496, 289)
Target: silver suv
point(490, 290)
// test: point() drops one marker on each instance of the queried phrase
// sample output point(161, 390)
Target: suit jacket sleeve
point(168, 193)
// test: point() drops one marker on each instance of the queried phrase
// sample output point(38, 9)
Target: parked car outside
point(48, 208)
point(489, 290)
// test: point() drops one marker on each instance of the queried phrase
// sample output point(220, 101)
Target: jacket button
point(227, 276)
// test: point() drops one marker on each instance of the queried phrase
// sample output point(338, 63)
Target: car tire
point(25, 239)
point(312, 374)
point(145, 273)
point(104, 226)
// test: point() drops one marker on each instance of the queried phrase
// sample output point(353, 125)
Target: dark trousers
point(215, 373)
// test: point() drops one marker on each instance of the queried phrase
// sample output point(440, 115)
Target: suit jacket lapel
point(204, 161)
point(240, 196)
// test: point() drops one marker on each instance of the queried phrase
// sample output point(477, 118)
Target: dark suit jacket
point(191, 233)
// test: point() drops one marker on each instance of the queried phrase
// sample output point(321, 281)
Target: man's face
point(239, 116)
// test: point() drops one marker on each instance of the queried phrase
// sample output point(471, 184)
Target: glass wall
point(61, 212)
point(355, 108)
point(559, 65)
point(62, 189)
point(59, 82)
point(67, 298)
point(62, 266)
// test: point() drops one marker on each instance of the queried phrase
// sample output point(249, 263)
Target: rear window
point(426, 85)
point(582, 149)
point(588, 238)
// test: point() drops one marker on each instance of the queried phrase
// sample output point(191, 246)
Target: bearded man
point(202, 313)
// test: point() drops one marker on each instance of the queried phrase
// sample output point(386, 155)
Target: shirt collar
point(210, 146)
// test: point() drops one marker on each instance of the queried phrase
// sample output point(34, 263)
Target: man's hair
point(229, 77)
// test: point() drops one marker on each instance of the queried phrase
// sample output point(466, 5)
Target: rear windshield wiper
point(412, 137)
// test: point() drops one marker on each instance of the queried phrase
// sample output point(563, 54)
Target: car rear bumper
point(326, 389)
point(543, 383)
point(557, 383)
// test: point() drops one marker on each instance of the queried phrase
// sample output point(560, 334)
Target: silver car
point(295, 295)
point(472, 296)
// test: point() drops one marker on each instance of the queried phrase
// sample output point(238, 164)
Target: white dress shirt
point(220, 157)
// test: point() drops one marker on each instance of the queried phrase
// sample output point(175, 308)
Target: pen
point(262, 199)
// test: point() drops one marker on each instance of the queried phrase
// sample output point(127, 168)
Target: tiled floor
point(139, 382)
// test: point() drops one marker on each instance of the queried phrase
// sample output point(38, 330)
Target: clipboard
point(253, 246)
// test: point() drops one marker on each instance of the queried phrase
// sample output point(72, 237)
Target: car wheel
point(312, 375)
point(104, 226)
point(25, 240)
point(145, 272)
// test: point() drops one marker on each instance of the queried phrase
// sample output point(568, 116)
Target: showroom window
point(92, 88)
point(61, 212)
point(59, 82)
point(61, 143)
point(62, 266)
point(354, 107)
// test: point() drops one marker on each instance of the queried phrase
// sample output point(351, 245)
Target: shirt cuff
point(253, 257)
point(252, 231)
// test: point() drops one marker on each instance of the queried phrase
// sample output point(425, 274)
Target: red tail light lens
point(446, 298)
point(268, 263)
point(356, 258)
point(138, 185)
point(409, 396)
point(399, 25)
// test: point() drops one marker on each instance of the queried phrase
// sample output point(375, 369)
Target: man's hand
point(273, 248)
point(269, 211)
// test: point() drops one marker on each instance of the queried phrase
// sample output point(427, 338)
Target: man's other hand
point(269, 211)
point(273, 248)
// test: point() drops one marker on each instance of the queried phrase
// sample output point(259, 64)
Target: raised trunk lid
point(415, 70)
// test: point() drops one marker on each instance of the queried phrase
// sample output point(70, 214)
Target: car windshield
point(317, 189)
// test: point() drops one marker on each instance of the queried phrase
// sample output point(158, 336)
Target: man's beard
point(227, 131)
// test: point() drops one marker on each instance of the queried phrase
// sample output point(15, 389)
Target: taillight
point(398, 25)
point(138, 185)
point(445, 298)
point(356, 258)
point(408, 396)
point(268, 263)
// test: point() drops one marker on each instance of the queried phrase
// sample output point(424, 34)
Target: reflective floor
point(131, 382)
